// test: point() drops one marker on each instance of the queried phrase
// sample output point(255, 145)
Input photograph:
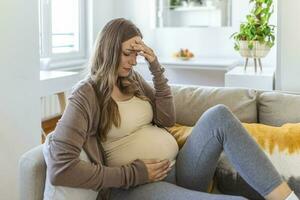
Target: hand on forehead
point(128, 45)
point(138, 40)
point(138, 45)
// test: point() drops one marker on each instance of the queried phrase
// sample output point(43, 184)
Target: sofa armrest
point(32, 174)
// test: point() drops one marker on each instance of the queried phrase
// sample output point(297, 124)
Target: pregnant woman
point(118, 120)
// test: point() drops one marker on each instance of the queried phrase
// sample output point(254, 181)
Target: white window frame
point(61, 60)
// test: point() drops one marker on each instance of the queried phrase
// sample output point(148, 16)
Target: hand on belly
point(152, 143)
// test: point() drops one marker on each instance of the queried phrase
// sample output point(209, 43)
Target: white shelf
point(53, 82)
point(194, 8)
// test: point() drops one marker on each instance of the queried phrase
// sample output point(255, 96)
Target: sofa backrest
point(277, 108)
point(192, 101)
point(266, 107)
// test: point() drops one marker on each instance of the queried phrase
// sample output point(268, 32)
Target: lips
point(127, 69)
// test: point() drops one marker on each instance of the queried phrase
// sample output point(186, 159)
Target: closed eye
point(125, 54)
point(130, 52)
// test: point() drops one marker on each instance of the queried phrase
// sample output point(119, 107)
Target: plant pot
point(259, 50)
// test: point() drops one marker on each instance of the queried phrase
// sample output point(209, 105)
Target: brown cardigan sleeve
point(160, 96)
point(63, 148)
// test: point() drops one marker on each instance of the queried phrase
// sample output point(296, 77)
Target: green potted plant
point(256, 35)
point(174, 3)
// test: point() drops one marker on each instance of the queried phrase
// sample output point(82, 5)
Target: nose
point(133, 60)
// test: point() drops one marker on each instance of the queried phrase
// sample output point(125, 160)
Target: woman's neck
point(117, 94)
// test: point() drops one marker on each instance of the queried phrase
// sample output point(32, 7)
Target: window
point(62, 32)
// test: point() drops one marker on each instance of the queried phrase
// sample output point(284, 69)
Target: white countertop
point(52, 82)
point(197, 63)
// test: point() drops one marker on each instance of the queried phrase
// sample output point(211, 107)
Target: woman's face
point(128, 57)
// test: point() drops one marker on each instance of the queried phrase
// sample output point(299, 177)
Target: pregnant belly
point(149, 142)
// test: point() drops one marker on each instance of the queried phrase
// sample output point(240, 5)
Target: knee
point(216, 115)
point(220, 110)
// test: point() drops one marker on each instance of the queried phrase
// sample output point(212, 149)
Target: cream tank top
point(137, 138)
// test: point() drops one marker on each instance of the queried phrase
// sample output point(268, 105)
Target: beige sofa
point(273, 108)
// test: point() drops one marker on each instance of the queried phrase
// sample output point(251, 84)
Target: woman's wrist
point(143, 176)
point(155, 65)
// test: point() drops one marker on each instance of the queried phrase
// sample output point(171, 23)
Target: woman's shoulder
point(83, 84)
point(84, 90)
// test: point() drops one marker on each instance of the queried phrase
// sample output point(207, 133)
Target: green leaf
point(258, 10)
point(257, 27)
point(250, 45)
point(236, 47)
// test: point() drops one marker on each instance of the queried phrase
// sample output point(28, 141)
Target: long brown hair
point(104, 63)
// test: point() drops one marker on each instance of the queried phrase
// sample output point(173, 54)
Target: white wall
point(102, 13)
point(204, 42)
point(19, 96)
point(99, 12)
point(288, 71)
point(142, 13)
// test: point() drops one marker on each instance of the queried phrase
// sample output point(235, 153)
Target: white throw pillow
point(52, 192)
point(282, 147)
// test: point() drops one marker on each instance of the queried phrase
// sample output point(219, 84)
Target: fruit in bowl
point(184, 54)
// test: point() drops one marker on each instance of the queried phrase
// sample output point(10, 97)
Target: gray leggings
point(217, 130)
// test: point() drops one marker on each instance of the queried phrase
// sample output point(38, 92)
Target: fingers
point(151, 161)
point(163, 174)
point(143, 50)
point(160, 178)
point(160, 169)
point(157, 169)
point(148, 57)
point(156, 164)
point(140, 42)
point(161, 165)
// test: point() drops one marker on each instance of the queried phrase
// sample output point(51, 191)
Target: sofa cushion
point(230, 182)
point(192, 101)
point(53, 192)
point(282, 147)
point(180, 133)
point(275, 108)
point(280, 144)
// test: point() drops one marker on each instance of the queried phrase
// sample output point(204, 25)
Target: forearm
point(164, 103)
point(66, 169)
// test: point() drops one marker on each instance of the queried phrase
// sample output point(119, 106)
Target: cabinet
point(260, 80)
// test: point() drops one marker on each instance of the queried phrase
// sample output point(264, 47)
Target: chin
point(124, 74)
